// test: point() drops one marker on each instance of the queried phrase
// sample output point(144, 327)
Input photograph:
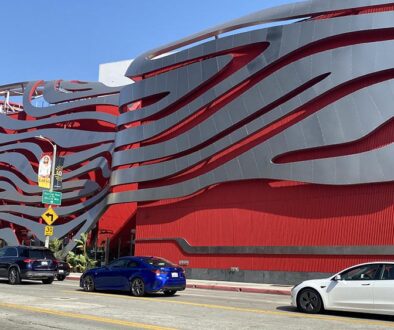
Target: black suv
point(27, 262)
point(63, 270)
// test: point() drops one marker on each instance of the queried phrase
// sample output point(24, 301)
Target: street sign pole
point(52, 176)
point(52, 181)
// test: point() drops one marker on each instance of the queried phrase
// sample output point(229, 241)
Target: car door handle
point(366, 284)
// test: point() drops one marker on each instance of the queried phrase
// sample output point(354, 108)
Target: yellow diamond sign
point(48, 231)
point(49, 216)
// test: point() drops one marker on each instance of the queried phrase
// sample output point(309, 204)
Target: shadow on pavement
point(287, 309)
point(24, 282)
point(362, 316)
point(128, 294)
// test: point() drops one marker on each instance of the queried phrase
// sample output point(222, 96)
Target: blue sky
point(54, 39)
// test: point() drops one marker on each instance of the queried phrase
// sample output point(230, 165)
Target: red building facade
point(262, 156)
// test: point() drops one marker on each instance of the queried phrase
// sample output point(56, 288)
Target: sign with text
point(48, 231)
point(57, 181)
point(51, 197)
point(44, 171)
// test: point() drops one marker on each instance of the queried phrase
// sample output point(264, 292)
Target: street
point(63, 305)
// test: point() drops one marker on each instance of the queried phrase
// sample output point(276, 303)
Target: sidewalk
point(226, 286)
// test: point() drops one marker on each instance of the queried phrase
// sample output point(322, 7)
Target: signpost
point(51, 197)
point(47, 169)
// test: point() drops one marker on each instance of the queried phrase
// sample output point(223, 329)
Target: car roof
point(139, 257)
point(374, 262)
point(25, 247)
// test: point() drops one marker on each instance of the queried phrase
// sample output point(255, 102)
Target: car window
point(120, 263)
point(10, 252)
point(132, 264)
point(159, 262)
point(38, 254)
point(388, 272)
point(361, 273)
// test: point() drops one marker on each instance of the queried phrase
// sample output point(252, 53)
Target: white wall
point(112, 74)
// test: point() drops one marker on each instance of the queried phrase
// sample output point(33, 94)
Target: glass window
point(38, 254)
point(10, 252)
point(388, 272)
point(132, 264)
point(120, 263)
point(158, 262)
point(362, 273)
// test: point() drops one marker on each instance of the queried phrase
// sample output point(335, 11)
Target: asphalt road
point(63, 305)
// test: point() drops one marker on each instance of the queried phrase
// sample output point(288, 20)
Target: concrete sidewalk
point(226, 286)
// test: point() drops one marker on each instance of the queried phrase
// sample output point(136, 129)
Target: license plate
point(44, 263)
point(174, 275)
point(61, 271)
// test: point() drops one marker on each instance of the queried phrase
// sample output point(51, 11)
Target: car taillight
point(159, 272)
point(28, 261)
point(55, 262)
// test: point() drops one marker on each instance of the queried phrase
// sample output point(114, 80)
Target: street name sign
point(49, 216)
point(51, 197)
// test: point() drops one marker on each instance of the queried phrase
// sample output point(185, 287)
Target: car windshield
point(39, 254)
point(158, 262)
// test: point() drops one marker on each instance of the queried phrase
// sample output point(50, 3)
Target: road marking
point(84, 317)
point(244, 310)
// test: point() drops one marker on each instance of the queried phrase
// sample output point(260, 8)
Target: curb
point(225, 288)
point(238, 289)
point(72, 278)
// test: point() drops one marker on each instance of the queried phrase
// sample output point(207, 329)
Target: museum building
point(261, 155)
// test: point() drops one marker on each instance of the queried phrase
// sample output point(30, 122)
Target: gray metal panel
point(144, 63)
point(380, 250)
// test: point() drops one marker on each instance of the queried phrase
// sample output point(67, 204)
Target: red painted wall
point(262, 213)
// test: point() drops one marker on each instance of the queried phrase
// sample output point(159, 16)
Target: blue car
point(139, 275)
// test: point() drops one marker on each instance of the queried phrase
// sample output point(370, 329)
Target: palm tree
point(80, 261)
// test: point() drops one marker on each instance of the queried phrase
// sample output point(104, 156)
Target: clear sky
point(68, 39)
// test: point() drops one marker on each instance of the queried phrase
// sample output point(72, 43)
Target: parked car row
point(31, 263)
point(139, 275)
point(367, 287)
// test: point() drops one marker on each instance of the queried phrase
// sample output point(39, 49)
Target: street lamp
point(52, 173)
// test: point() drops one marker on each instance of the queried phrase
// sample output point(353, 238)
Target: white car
point(366, 288)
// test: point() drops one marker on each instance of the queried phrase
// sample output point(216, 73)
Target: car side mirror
point(337, 278)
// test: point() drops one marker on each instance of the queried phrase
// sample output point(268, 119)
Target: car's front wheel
point(137, 287)
point(13, 276)
point(48, 280)
point(88, 284)
point(169, 292)
point(309, 301)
